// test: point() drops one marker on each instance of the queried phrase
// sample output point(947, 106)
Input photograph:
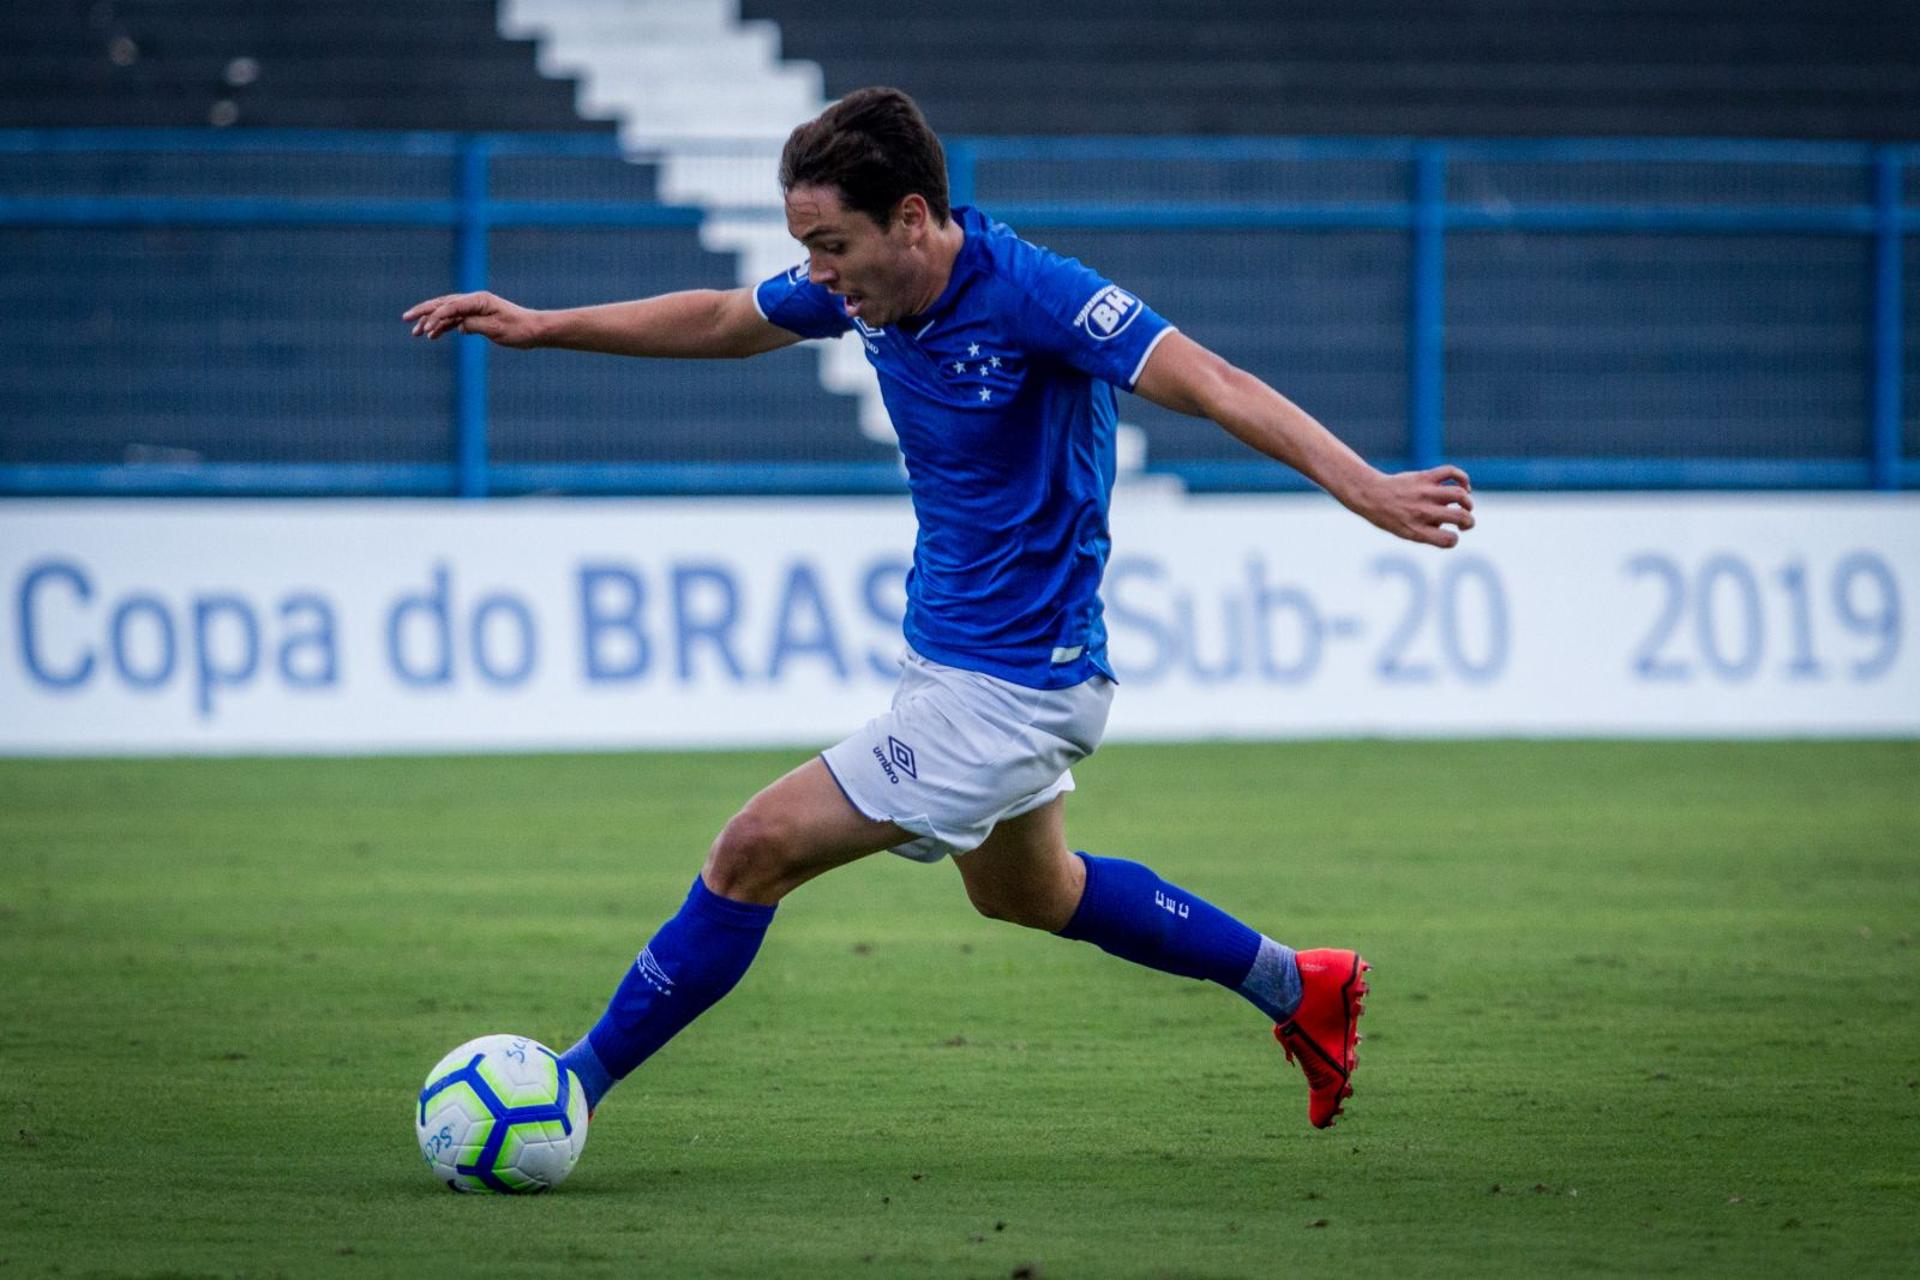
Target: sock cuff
point(1273, 980)
point(1074, 929)
point(726, 912)
point(584, 1061)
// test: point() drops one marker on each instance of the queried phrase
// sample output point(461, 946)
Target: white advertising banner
point(163, 627)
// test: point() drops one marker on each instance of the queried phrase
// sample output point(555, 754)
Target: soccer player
point(997, 361)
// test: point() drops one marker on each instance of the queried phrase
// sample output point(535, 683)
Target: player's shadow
point(609, 1183)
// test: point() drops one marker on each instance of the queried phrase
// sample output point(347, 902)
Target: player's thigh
point(793, 830)
point(1024, 871)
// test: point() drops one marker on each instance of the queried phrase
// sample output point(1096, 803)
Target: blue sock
point(693, 960)
point(1130, 912)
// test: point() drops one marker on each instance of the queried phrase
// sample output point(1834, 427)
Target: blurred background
point(1569, 243)
point(1646, 268)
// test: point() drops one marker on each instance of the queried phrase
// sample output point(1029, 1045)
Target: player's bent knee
point(1029, 911)
point(752, 856)
point(986, 905)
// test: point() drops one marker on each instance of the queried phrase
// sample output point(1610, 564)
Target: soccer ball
point(501, 1114)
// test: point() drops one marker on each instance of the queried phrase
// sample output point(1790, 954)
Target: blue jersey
point(1002, 395)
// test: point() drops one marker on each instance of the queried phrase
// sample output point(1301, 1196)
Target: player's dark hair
point(873, 147)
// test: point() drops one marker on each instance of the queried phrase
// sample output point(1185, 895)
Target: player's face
point(873, 269)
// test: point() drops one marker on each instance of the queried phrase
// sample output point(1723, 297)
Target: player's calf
point(691, 961)
point(1128, 911)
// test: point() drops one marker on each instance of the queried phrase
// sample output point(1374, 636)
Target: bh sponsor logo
point(1108, 313)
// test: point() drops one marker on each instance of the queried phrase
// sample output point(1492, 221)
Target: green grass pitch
point(1638, 1009)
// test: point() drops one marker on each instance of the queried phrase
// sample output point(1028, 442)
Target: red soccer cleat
point(1322, 1035)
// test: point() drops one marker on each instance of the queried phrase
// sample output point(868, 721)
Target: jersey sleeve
point(1074, 313)
point(800, 306)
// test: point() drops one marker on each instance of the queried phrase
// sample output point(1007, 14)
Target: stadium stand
point(211, 343)
point(216, 342)
point(1655, 345)
point(653, 65)
point(336, 64)
point(670, 68)
point(1435, 68)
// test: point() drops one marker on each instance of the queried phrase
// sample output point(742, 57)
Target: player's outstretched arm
point(696, 324)
point(1419, 506)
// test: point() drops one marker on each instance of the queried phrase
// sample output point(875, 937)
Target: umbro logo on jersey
point(867, 330)
point(1108, 313)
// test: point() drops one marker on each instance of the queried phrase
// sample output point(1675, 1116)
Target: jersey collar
point(966, 264)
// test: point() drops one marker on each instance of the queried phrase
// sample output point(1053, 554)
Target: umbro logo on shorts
point(897, 753)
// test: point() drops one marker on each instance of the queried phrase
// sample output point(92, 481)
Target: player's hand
point(1420, 505)
point(483, 313)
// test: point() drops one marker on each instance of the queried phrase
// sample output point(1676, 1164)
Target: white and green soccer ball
point(501, 1114)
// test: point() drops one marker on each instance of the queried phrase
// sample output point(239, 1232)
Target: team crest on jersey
point(1108, 313)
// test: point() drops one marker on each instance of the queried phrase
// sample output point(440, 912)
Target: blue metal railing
point(470, 275)
point(1426, 214)
point(1426, 335)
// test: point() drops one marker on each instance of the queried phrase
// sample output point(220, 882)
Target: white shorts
point(960, 750)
